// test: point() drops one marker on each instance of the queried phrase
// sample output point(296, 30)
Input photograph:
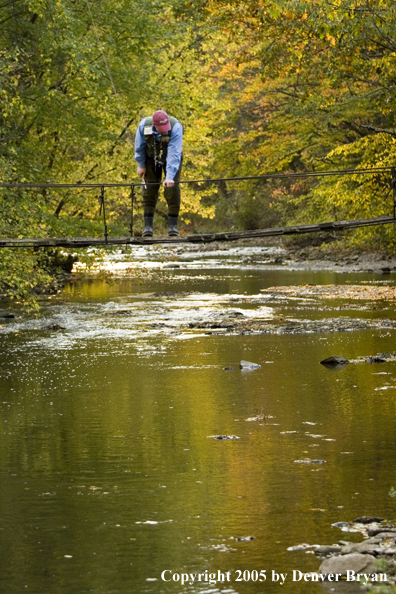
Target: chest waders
point(156, 153)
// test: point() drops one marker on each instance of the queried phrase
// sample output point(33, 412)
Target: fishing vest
point(155, 149)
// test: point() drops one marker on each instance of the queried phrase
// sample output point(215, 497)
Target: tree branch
point(8, 3)
point(11, 17)
point(379, 130)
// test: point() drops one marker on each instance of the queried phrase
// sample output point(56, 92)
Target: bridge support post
point(102, 202)
point(133, 197)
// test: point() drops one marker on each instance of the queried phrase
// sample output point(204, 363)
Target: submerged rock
point(261, 417)
point(229, 313)
point(243, 326)
point(302, 547)
point(226, 325)
point(224, 436)
point(120, 312)
point(326, 550)
point(335, 362)
point(309, 461)
point(248, 366)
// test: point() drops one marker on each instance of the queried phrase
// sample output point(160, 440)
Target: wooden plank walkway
point(80, 242)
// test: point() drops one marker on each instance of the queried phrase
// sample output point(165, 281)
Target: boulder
point(367, 520)
point(335, 362)
point(382, 533)
point(356, 562)
point(369, 546)
point(383, 543)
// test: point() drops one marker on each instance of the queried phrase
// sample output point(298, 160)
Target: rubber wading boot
point(148, 225)
point(172, 224)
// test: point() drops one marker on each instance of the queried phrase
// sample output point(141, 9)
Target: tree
point(300, 82)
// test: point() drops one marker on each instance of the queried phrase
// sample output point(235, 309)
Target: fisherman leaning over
point(158, 148)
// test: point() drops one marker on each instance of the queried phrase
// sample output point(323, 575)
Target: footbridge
point(132, 238)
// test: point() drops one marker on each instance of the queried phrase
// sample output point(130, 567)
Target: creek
point(111, 396)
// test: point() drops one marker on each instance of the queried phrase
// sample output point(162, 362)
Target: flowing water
point(111, 479)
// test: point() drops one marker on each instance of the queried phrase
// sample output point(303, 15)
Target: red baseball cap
point(161, 121)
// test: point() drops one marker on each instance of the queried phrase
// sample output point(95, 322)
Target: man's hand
point(168, 183)
point(141, 171)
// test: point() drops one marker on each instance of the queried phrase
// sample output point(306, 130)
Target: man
point(158, 148)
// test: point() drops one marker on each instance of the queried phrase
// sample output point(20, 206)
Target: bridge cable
point(265, 176)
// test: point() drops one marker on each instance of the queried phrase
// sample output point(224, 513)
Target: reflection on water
point(108, 477)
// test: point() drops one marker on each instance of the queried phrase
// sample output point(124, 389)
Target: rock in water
point(309, 461)
point(248, 366)
point(342, 525)
point(6, 314)
point(367, 520)
point(327, 550)
point(353, 562)
point(54, 327)
point(335, 362)
point(224, 436)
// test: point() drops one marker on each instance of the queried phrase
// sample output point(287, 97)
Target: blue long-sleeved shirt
point(174, 153)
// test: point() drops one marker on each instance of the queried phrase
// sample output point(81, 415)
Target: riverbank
point(356, 565)
point(342, 259)
point(336, 256)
